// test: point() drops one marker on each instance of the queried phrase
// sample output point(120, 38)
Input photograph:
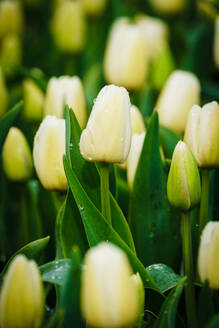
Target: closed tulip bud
point(137, 121)
point(48, 151)
point(208, 261)
point(180, 93)
point(22, 298)
point(109, 297)
point(125, 61)
point(94, 7)
point(68, 26)
point(155, 33)
point(202, 134)
point(11, 17)
point(33, 101)
point(3, 94)
point(99, 142)
point(183, 185)
point(216, 42)
point(11, 53)
point(136, 278)
point(65, 90)
point(137, 125)
point(16, 155)
point(133, 157)
point(168, 6)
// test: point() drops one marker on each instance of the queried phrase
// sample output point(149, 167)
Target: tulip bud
point(168, 6)
point(216, 42)
point(11, 17)
point(136, 278)
point(107, 137)
point(3, 94)
point(65, 90)
point(183, 185)
point(16, 155)
point(10, 56)
point(22, 299)
point(68, 26)
point(180, 93)
point(155, 33)
point(202, 134)
point(94, 7)
point(125, 61)
point(133, 157)
point(48, 151)
point(33, 101)
point(137, 121)
point(208, 262)
point(109, 297)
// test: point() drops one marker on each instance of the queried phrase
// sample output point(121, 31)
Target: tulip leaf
point(96, 227)
point(55, 272)
point(32, 251)
point(206, 306)
point(89, 178)
point(168, 310)
point(71, 228)
point(154, 224)
point(164, 276)
point(69, 294)
point(8, 120)
point(214, 322)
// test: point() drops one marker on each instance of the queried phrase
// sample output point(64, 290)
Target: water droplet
point(81, 208)
point(71, 145)
point(89, 158)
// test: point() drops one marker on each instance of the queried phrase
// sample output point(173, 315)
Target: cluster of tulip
point(115, 178)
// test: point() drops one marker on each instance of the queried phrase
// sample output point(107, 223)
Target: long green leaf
point(31, 250)
point(167, 314)
point(155, 227)
point(56, 272)
point(96, 227)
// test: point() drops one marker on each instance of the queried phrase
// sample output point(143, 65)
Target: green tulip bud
point(183, 185)
point(16, 155)
point(11, 53)
point(94, 7)
point(33, 101)
point(22, 299)
point(11, 17)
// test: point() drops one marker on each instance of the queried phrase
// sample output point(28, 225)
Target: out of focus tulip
point(3, 94)
point(11, 17)
point(16, 155)
point(208, 261)
point(68, 26)
point(10, 54)
point(94, 7)
point(169, 6)
point(180, 93)
point(22, 298)
point(109, 297)
point(65, 90)
point(202, 134)
point(216, 42)
point(125, 61)
point(183, 185)
point(48, 151)
point(107, 137)
point(155, 33)
point(133, 157)
point(33, 101)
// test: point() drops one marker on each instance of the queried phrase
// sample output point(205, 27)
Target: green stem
point(24, 216)
point(188, 271)
point(105, 195)
point(204, 199)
